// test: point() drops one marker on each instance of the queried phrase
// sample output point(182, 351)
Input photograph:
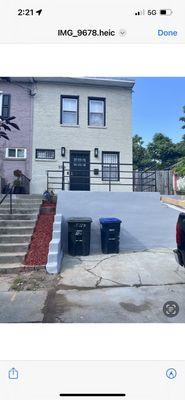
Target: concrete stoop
point(16, 229)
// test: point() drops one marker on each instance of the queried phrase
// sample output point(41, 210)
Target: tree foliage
point(161, 152)
point(182, 119)
point(6, 126)
point(179, 168)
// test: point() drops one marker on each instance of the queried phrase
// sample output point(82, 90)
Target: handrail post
point(155, 181)
point(141, 183)
point(63, 176)
point(47, 180)
point(11, 211)
point(109, 177)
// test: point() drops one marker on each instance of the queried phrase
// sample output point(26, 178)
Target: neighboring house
point(82, 132)
point(16, 99)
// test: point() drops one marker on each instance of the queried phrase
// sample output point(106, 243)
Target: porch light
point(96, 152)
point(63, 151)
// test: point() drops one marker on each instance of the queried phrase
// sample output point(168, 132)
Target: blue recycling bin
point(110, 234)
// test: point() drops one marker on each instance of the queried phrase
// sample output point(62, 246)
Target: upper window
point(96, 111)
point(16, 153)
point(110, 166)
point(69, 110)
point(6, 106)
point(45, 154)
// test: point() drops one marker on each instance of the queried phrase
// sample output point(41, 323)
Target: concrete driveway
point(125, 287)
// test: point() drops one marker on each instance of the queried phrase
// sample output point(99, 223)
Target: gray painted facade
point(52, 133)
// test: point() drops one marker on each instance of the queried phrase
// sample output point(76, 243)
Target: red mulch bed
point(38, 250)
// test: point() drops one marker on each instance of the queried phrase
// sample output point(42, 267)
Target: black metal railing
point(9, 192)
point(111, 176)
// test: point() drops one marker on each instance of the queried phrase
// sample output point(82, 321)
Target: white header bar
point(92, 21)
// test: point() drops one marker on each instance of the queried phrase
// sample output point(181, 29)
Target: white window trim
point(16, 151)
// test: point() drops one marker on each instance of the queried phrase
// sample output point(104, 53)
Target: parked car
point(180, 239)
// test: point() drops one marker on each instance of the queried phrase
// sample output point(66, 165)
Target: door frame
point(85, 152)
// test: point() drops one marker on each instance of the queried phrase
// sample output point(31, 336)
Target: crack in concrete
point(106, 279)
point(136, 285)
point(100, 261)
point(139, 277)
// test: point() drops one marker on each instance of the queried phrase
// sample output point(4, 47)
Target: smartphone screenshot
point(92, 199)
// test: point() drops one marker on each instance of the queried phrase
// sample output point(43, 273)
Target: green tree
point(140, 154)
point(162, 151)
point(182, 119)
point(179, 168)
point(180, 147)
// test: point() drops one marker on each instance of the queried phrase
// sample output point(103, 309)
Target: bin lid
point(110, 220)
point(79, 219)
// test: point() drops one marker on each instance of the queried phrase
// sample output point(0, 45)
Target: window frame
point(8, 106)
point(16, 152)
point(61, 109)
point(118, 164)
point(103, 99)
point(44, 150)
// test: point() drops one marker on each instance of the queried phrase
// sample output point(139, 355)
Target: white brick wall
point(49, 134)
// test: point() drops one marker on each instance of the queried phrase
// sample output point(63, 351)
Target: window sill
point(69, 126)
point(15, 158)
point(45, 159)
point(97, 127)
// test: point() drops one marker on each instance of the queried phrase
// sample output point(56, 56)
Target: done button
point(162, 32)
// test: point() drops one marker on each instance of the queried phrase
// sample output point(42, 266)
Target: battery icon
point(166, 11)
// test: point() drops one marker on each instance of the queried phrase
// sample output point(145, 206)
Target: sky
point(157, 107)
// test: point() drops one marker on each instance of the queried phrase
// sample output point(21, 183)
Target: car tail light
point(179, 235)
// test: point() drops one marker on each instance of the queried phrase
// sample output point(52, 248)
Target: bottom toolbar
point(52, 380)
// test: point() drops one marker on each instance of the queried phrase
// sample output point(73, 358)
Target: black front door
point(79, 170)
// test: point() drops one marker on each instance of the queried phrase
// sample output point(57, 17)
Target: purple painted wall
point(21, 106)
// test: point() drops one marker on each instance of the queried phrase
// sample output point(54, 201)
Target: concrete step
point(27, 196)
point(14, 238)
point(11, 258)
point(18, 223)
point(13, 247)
point(20, 204)
point(30, 216)
point(19, 210)
point(17, 230)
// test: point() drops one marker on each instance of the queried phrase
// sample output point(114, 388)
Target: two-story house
point(16, 99)
point(82, 134)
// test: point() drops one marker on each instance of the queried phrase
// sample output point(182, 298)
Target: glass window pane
point(5, 112)
point(5, 100)
point(20, 153)
point(47, 154)
point(96, 119)
point(11, 153)
point(96, 106)
point(69, 118)
point(69, 104)
point(110, 166)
